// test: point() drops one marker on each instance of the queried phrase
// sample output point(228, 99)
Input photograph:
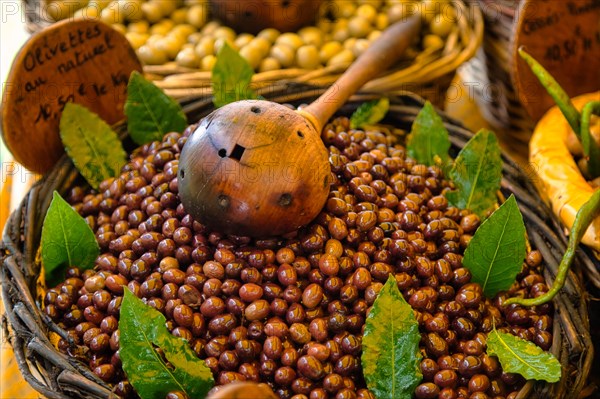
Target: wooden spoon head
point(81, 61)
point(254, 168)
point(564, 36)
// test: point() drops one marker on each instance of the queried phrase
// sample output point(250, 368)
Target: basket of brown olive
point(292, 311)
point(178, 41)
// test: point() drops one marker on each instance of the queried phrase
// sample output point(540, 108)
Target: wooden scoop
point(81, 61)
point(258, 168)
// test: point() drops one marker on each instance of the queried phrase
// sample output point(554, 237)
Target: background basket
point(428, 73)
point(56, 376)
point(490, 68)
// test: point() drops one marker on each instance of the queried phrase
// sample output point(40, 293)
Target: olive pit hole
point(256, 110)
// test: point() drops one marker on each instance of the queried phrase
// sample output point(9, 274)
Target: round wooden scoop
point(257, 168)
point(81, 61)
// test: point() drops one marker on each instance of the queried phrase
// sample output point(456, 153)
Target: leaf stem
point(586, 214)
point(589, 144)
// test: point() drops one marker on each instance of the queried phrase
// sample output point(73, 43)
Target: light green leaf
point(428, 139)
point(369, 113)
point(477, 173)
point(93, 146)
point(143, 329)
point(231, 77)
point(519, 356)
point(67, 240)
point(390, 358)
point(495, 253)
point(150, 112)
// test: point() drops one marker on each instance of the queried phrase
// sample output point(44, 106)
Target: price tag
point(564, 36)
point(81, 61)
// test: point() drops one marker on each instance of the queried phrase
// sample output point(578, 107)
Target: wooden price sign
point(81, 61)
point(564, 36)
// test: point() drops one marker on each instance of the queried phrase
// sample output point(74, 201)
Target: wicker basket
point(56, 376)
point(490, 69)
point(429, 74)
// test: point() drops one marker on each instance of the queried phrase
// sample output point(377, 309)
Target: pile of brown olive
point(290, 311)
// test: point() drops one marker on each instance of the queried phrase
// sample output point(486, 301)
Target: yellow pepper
point(559, 180)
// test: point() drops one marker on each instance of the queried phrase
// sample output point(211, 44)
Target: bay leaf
point(67, 240)
point(231, 77)
point(519, 356)
point(150, 112)
point(476, 173)
point(369, 113)
point(496, 251)
point(428, 140)
point(90, 142)
point(390, 346)
point(142, 330)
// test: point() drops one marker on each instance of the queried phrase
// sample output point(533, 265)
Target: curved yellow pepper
point(559, 179)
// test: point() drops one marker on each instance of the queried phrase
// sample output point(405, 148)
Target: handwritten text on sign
point(86, 62)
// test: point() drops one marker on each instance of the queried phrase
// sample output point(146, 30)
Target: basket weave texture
point(429, 74)
point(57, 376)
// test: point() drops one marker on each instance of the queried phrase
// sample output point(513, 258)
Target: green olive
point(269, 34)
point(225, 33)
point(153, 39)
point(307, 57)
point(359, 27)
point(243, 39)
point(345, 9)
point(131, 9)
point(441, 26)
point(99, 4)
point(367, 11)
point(349, 43)
point(210, 28)
point(290, 39)
point(150, 55)
point(111, 15)
point(171, 45)
point(432, 41)
point(119, 28)
point(374, 35)
point(187, 58)
point(360, 46)
point(344, 57)
point(206, 46)
point(269, 64)
point(166, 6)
point(89, 12)
point(59, 10)
point(196, 15)
point(179, 16)
point(163, 27)
point(220, 42)
point(328, 50)
point(183, 30)
point(139, 27)
point(152, 12)
point(284, 54)
point(382, 21)
point(339, 35)
point(252, 55)
point(194, 38)
point(262, 44)
point(324, 25)
point(208, 63)
point(136, 39)
point(311, 35)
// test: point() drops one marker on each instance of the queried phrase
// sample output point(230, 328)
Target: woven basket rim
point(48, 371)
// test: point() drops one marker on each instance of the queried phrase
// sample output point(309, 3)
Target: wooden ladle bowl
point(257, 168)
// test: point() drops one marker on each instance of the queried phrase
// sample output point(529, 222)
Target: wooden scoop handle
point(378, 57)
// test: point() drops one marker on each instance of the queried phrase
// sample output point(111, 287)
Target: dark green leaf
point(67, 240)
point(231, 77)
point(519, 356)
point(428, 140)
point(369, 113)
point(142, 331)
point(477, 173)
point(93, 146)
point(495, 253)
point(390, 358)
point(150, 112)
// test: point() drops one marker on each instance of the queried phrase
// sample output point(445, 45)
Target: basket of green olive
point(178, 41)
point(296, 311)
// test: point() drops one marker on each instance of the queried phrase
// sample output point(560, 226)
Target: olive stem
point(590, 147)
point(586, 214)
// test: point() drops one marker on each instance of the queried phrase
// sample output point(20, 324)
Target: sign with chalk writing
point(81, 61)
point(564, 36)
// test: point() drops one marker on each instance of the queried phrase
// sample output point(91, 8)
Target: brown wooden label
point(564, 36)
point(86, 62)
